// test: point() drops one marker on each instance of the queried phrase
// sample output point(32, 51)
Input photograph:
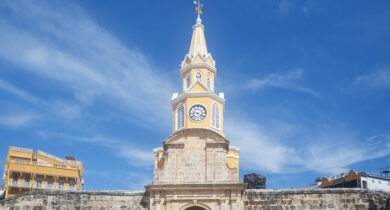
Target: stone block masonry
point(64, 200)
point(296, 199)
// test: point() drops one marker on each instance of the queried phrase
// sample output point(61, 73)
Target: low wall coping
point(305, 191)
point(84, 192)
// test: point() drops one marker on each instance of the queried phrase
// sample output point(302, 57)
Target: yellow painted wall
point(204, 77)
point(159, 162)
point(24, 163)
point(233, 162)
point(207, 102)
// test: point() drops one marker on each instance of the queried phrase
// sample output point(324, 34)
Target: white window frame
point(188, 81)
point(209, 80)
point(216, 117)
point(177, 125)
point(201, 76)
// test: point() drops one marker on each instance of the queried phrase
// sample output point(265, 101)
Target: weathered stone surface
point(255, 181)
point(294, 199)
point(48, 200)
point(195, 156)
point(315, 199)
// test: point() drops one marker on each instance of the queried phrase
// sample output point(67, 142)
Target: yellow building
point(25, 170)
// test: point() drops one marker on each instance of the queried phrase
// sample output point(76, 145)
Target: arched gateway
point(197, 168)
point(195, 208)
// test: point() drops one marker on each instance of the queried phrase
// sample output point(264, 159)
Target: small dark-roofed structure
point(255, 181)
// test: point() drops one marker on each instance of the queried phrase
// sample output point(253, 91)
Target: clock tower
point(198, 106)
point(197, 168)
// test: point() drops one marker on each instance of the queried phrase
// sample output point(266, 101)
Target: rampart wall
point(48, 200)
point(315, 199)
point(253, 200)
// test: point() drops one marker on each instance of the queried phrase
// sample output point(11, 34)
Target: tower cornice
point(198, 94)
point(190, 66)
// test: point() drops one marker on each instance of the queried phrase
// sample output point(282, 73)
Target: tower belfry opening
point(196, 163)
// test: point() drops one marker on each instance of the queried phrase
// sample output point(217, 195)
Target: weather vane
point(199, 7)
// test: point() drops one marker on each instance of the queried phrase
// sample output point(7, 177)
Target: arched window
point(209, 81)
point(215, 116)
point(180, 116)
point(187, 81)
point(199, 76)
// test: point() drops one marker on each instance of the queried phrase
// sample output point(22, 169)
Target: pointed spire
point(198, 42)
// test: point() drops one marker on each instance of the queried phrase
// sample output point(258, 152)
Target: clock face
point(197, 113)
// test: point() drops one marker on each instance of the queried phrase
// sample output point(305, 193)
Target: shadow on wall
point(384, 205)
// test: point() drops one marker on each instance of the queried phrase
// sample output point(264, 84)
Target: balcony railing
point(57, 158)
point(44, 164)
point(42, 186)
point(21, 149)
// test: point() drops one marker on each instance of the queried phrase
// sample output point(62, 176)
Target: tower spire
point(198, 41)
point(199, 8)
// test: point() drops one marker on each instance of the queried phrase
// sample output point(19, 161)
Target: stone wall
point(315, 199)
point(45, 200)
point(253, 200)
point(195, 156)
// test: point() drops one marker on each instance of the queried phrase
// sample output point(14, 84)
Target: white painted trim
point(175, 95)
point(209, 78)
point(158, 149)
point(176, 117)
point(22, 156)
point(193, 84)
point(232, 156)
point(190, 66)
point(201, 76)
point(234, 148)
point(159, 157)
point(188, 112)
point(219, 116)
point(198, 94)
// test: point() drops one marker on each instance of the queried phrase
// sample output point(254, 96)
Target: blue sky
point(307, 83)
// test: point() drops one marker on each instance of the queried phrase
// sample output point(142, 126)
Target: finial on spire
point(199, 8)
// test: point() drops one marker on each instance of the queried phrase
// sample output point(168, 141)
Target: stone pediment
point(211, 137)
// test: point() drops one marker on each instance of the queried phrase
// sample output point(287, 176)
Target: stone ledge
point(85, 192)
point(306, 191)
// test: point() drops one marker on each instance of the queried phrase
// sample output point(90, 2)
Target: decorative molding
point(190, 66)
point(193, 84)
point(198, 94)
point(158, 149)
point(234, 148)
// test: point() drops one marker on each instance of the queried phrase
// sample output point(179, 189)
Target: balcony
point(20, 184)
point(44, 164)
point(42, 186)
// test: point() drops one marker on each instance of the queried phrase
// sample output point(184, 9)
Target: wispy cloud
point(17, 119)
point(263, 150)
point(287, 80)
point(121, 148)
point(257, 149)
point(378, 79)
point(60, 48)
point(8, 87)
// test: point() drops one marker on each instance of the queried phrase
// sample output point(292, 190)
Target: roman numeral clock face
point(197, 113)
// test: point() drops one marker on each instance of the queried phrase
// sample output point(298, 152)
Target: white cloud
point(6, 86)
point(326, 153)
point(377, 79)
point(17, 119)
point(286, 80)
point(257, 149)
point(121, 148)
point(81, 57)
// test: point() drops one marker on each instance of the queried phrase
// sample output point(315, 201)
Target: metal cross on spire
point(199, 7)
